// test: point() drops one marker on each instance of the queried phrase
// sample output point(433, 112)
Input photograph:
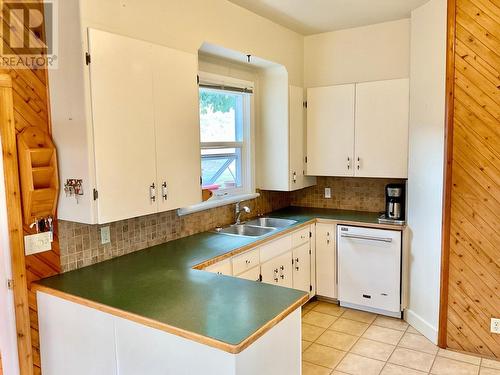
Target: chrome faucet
point(238, 211)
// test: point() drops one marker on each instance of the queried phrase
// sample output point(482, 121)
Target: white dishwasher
point(369, 267)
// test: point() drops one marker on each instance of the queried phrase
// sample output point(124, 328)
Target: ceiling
point(317, 16)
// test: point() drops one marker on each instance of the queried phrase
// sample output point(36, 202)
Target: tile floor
point(338, 341)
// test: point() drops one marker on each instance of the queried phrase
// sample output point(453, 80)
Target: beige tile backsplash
point(348, 193)
point(81, 246)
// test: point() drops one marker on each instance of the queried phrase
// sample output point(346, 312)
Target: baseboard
point(421, 325)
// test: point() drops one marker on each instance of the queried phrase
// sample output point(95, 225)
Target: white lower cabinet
point(278, 270)
point(326, 260)
point(252, 274)
point(221, 268)
point(301, 262)
point(286, 261)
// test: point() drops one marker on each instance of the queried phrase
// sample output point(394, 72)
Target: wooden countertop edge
point(233, 349)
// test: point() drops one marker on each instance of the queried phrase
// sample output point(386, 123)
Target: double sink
point(257, 227)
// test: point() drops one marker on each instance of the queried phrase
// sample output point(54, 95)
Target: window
point(225, 141)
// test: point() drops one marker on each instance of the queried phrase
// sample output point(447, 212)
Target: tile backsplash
point(81, 244)
point(348, 193)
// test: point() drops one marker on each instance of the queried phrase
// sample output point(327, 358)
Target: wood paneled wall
point(31, 108)
point(471, 251)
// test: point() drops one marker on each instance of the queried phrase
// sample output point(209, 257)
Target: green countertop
point(159, 283)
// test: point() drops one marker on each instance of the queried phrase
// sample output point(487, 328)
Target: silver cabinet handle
point(294, 177)
point(358, 165)
point(152, 192)
point(366, 238)
point(348, 163)
point(164, 193)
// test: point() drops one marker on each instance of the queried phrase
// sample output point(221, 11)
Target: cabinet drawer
point(275, 248)
point(221, 268)
point(252, 274)
point(300, 237)
point(245, 261)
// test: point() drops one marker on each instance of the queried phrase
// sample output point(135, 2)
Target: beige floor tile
point(490, 363)
point(385, 321)
point(357, 365)
point(329, 308)
point(413, 330)
point(349, 326)
point(335, 372)
point(382, 334)
point(305, 344)
point(418, 342)
point(311, 304)
point(311, 333)
point(319, 319)
point(372, 349)
point(412, 359)
point(392, 369)
point(359, 316)
point(446, 366)
point(323, 355)
point(473, 360)
point(312, 369)
point(337, 340)
point(488, 371)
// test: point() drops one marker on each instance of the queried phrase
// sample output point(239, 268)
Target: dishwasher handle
point(367, 238)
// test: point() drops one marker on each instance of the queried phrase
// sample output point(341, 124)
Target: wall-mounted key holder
point(74, 188)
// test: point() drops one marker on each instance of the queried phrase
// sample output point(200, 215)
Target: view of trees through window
point(221, 128)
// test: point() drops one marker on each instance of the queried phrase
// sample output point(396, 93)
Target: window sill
point(217, 202)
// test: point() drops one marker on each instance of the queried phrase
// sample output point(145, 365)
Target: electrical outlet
point(328, 192)
point(37, 243)
point(495, 325)
point(105, 235)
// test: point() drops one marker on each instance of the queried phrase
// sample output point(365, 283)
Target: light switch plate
point(105, 235)
point(328, 192)
point(37, 243)
point(495, 325)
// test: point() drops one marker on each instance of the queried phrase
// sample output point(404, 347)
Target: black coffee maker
point(394, 204)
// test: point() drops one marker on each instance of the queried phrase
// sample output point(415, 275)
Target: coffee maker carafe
point(394, 204)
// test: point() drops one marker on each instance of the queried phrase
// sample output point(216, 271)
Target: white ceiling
point(317, 16)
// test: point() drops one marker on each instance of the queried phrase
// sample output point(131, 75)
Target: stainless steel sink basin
point(245, 230)
point(270, 222)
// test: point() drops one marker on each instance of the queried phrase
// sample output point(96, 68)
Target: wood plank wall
point(31, 107)
point(472, 227)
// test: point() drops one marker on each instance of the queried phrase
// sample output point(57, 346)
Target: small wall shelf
point(38, 171)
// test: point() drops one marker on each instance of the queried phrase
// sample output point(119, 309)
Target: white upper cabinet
point(139, 146)
point(297, 139)
point(330, 131)
point(382, 109)
point(358, 129)
point(281, 136)
point(123, 126)
point(175, 93)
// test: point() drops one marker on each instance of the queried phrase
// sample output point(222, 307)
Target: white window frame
point(247, 189)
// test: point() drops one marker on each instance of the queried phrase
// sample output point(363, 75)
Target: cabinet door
point(330, 131)
point(123, 126)
point(301, 259)
point(297, 145)
point(176, 117)
point(221, 268)
point(381, 144)
point(252, 274)
point(326, 261)
point(278, 270)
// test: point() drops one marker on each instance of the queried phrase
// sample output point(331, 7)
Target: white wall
point(8, 342)
point(368, 53)
point(425, 172)
point(187, 24)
